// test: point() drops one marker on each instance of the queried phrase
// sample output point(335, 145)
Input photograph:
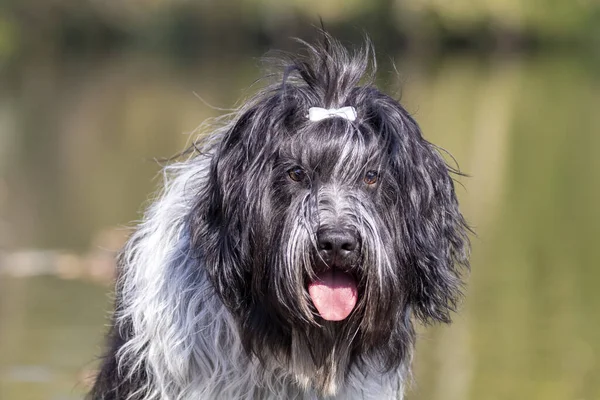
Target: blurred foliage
point(8, 37)
point(183, 26)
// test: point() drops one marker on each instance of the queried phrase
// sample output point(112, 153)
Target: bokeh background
point(92, 92)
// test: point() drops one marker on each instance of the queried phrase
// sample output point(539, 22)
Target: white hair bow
point(318, 113)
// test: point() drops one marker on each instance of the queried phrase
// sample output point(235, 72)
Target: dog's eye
point(371, 177)
point(297, 174)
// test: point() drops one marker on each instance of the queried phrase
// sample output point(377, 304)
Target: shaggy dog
point(289, 255)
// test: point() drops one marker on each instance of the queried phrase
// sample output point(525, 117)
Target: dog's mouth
point(334, 294)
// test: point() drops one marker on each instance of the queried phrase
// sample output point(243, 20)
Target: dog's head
point(330, 230)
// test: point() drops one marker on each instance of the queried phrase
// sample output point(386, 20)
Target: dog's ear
point(217, 233)
point(235, 192)
point(437, 230)
point(431, 241)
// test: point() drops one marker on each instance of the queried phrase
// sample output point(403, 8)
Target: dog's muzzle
point(334, 292)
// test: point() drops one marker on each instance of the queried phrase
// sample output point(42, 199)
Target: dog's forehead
point(332, 144)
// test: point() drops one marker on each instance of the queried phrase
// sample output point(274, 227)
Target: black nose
point(337, 245)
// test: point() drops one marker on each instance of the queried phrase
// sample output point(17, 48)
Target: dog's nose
point(336, 245)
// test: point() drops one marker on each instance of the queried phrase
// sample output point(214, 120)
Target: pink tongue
point(334, 294)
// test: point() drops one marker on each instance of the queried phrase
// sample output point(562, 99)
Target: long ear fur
point(438, 237)
point(160, 287)
point(164, 300)
point(432, 236)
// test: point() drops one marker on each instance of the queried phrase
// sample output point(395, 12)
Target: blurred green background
point(92, 91)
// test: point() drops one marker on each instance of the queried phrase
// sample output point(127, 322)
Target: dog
point(290, 253)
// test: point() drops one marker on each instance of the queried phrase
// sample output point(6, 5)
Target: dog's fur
point(212, 299)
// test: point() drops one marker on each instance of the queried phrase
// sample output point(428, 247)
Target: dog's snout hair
point(341, 210)
point(338, 204)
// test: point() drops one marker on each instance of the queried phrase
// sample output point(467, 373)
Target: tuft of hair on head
point(328, 69)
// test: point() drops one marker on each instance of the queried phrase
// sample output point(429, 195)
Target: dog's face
point(308, 244)
point(329, 233)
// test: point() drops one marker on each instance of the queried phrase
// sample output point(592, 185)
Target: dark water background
point(77, 140)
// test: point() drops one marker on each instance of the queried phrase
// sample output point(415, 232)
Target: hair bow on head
point(318, 113)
